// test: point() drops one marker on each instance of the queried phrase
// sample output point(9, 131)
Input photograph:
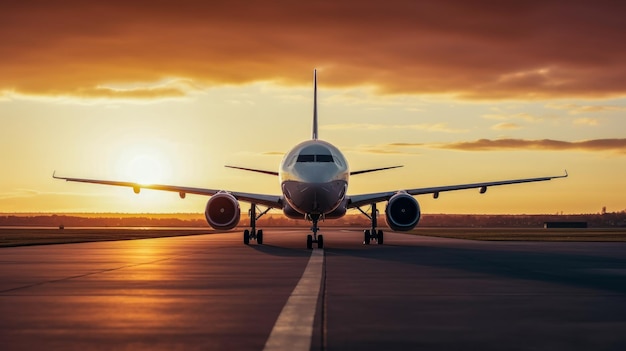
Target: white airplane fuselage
point(314, 179)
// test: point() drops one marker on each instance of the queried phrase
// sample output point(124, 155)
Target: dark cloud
point(472, 49)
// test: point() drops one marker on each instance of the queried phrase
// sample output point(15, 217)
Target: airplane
point(313, 179)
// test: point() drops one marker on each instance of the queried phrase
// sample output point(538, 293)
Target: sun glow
point(145, 168)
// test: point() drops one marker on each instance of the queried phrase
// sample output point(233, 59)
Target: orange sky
point(522, 88)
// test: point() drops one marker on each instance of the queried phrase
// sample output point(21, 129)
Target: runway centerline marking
point(293, 329)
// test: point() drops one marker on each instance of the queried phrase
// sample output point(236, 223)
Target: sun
point(145, 168)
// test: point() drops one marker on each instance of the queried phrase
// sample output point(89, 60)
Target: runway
point(210, 292)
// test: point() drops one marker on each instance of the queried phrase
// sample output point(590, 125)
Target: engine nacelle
point(222, 211)
point(402, 212)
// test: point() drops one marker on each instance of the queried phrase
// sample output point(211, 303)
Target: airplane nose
point(315, 197)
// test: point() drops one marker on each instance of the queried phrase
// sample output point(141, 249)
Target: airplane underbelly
point(320, 198)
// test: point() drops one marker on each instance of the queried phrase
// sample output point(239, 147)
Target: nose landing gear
point(314, 238)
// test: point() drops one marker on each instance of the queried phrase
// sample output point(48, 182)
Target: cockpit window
point(315, 158)
point(306, 158)
point(324, 158)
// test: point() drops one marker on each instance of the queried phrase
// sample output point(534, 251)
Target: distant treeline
point(614, 219)
point(607, 220)
point(45, 220)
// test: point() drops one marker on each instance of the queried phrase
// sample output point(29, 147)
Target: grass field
point(42, 236)
point(526, 234)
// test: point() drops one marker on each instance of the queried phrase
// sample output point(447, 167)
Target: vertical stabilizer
point(314, 137)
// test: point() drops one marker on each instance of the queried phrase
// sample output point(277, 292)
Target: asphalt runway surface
point(210, 292)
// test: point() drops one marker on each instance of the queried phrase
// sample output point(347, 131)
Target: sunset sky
point(456, 91)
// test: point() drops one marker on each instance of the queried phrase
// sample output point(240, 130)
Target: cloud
point(389, 149)
point(168, 90)
point(101, 92)
point(517, 116)
point(506, 126)
point(597, 145)
point(575, 109)
point(30, 193)
point(428, 127)
point(19, 193)
point(592, 122)
point(437, 127)
point(474, 50)
point(616, 146)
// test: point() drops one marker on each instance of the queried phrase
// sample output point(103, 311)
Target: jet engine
point(402, 212)
point(222, 211)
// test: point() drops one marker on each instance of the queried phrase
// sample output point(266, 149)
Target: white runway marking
point(294, 327)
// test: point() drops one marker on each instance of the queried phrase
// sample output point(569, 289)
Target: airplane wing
point(373, 170)
point(274, 201)
point(253, 170)
point(365, 199)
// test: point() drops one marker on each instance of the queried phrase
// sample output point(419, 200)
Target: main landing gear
point(372, 234)
point(252, 233)
point(314, 238)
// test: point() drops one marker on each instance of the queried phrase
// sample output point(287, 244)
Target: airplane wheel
point(246, 237)
point(380, 237)
point(320, 241)
point(309, 241)
point(366, 237)
point(259, 237)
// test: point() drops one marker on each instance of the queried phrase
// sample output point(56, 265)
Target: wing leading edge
point(365, 199)
point(276, 173)
point(273, 201)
